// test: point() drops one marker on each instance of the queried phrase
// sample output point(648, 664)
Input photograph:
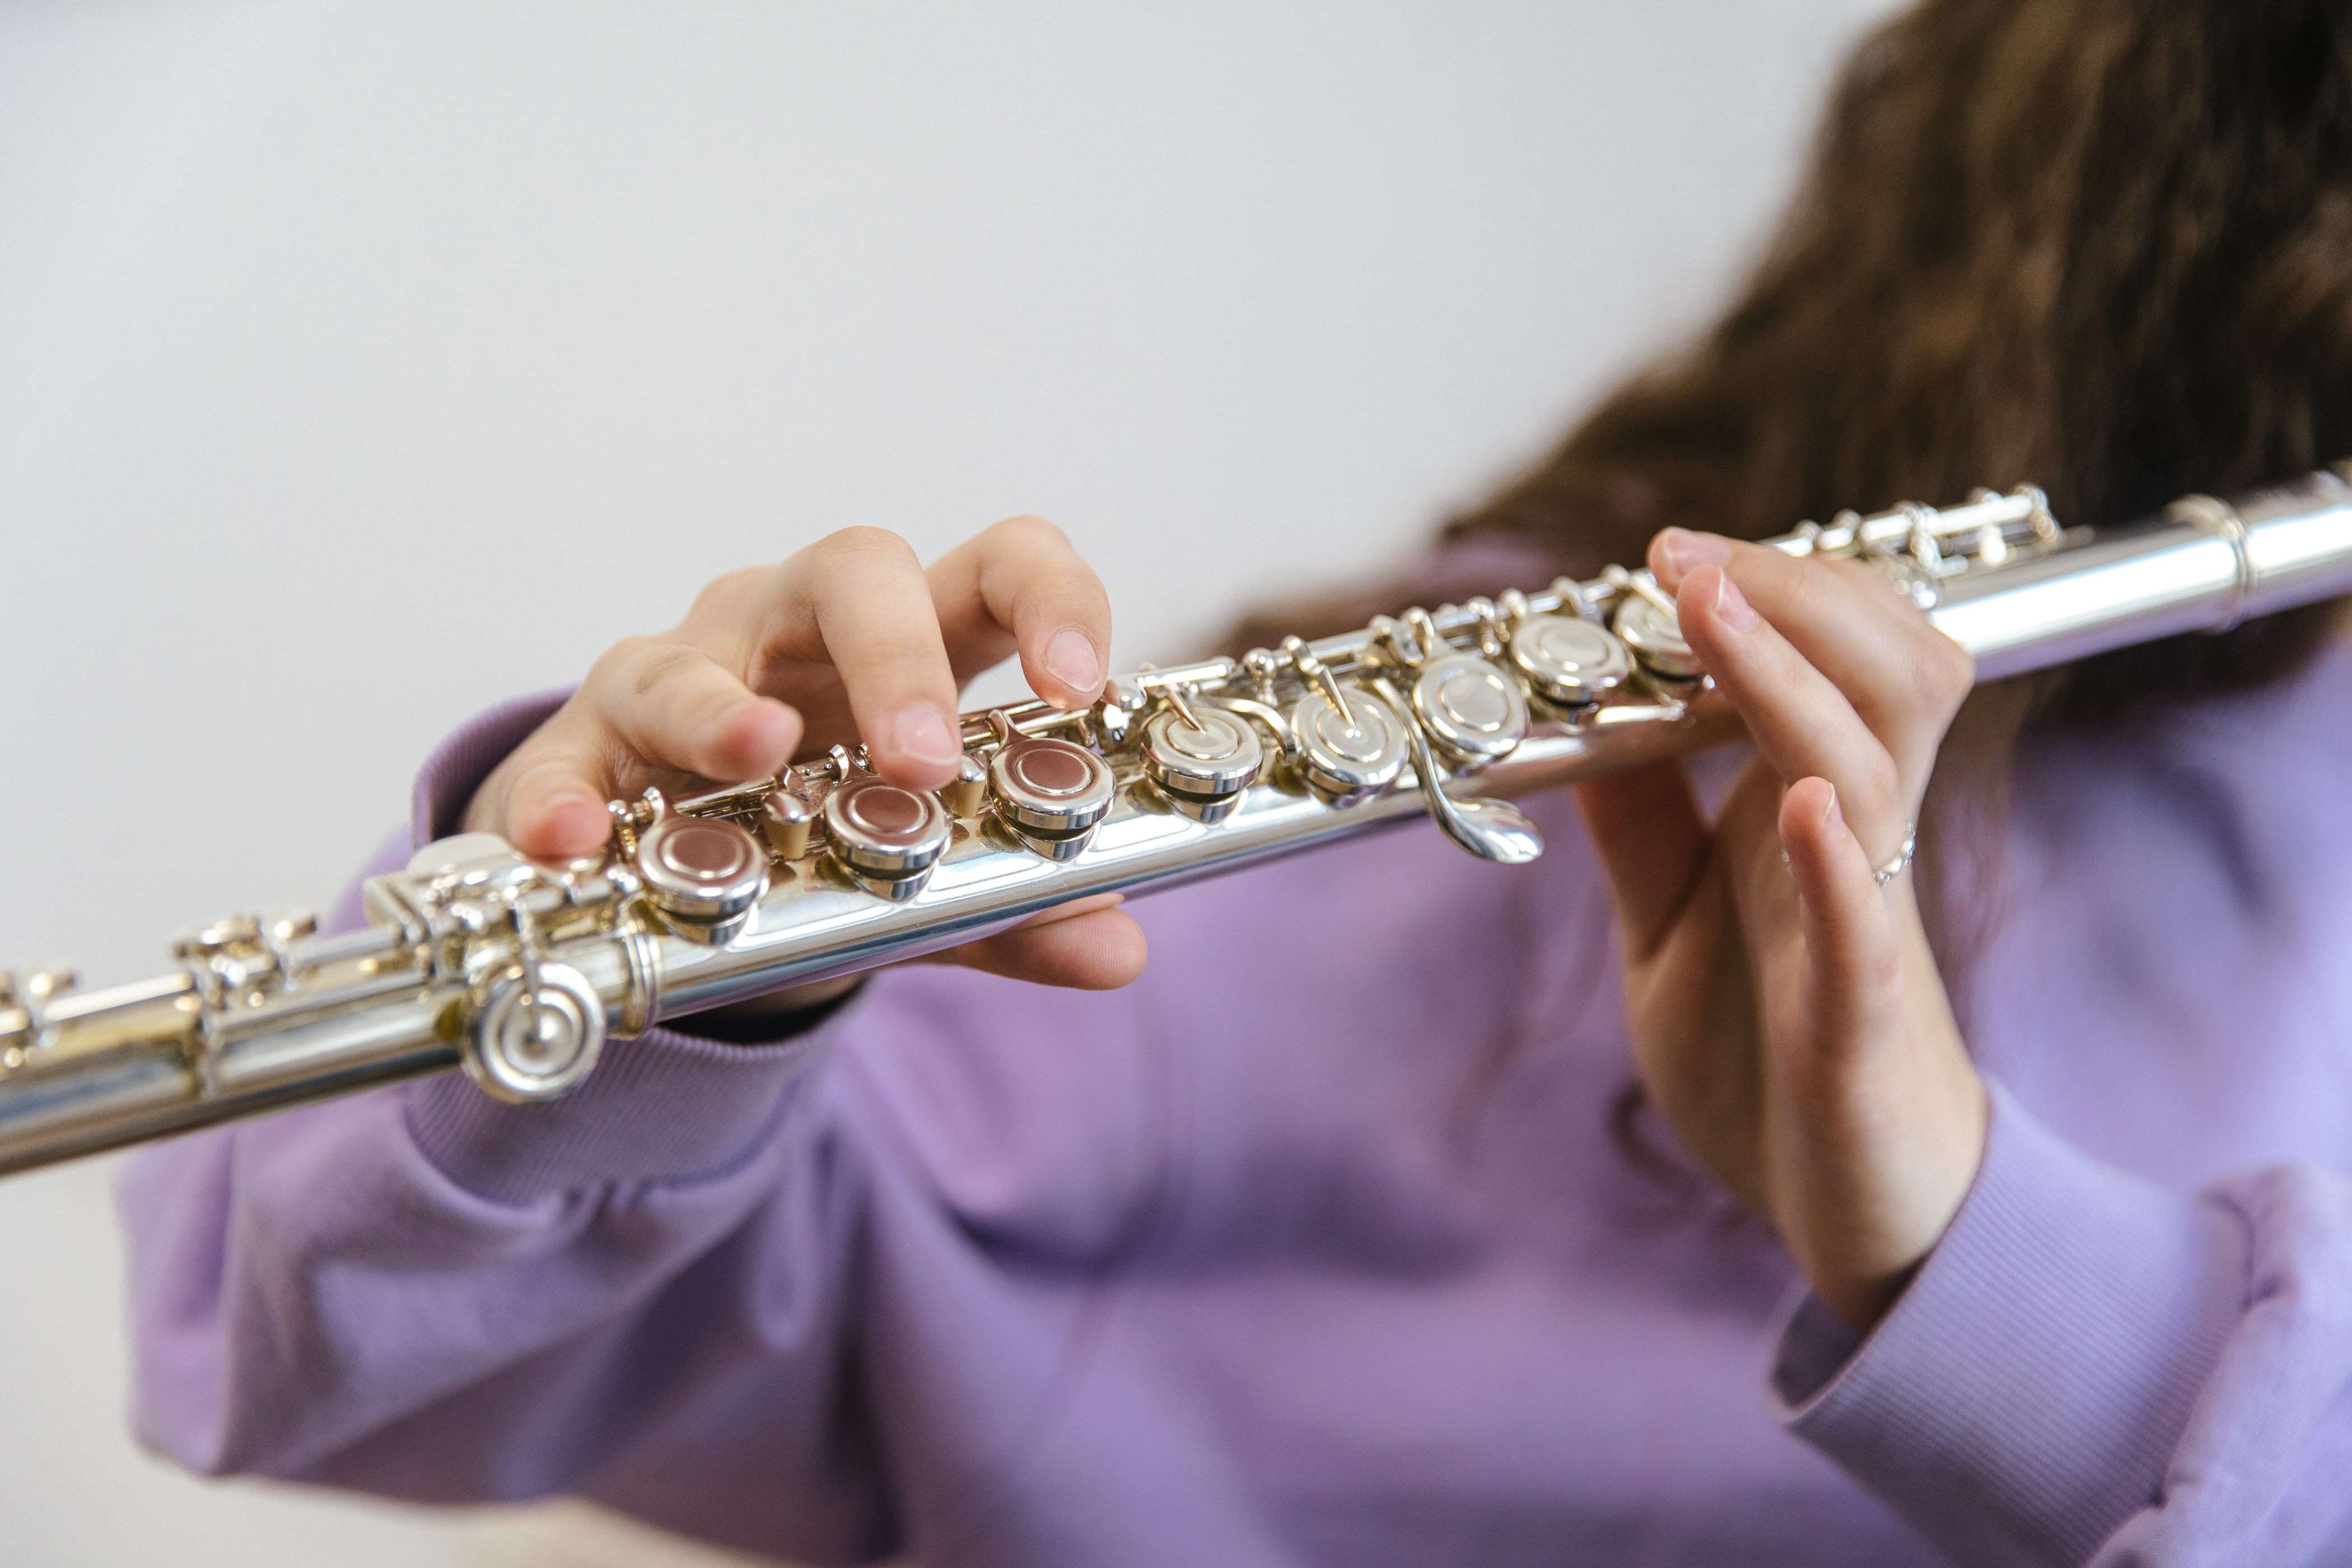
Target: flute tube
point(262, 1015)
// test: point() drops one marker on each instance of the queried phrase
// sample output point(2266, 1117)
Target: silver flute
point(475, 957)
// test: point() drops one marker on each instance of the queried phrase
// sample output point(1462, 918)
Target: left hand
point(1787, 1016)
point(851, 636)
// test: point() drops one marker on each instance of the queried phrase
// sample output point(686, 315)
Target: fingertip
point(1810, 809)
point(922, 748)
point(1694, 596)
point(1136, 954)
point(1710, 601)
point(1098, 950)
point(1811, 823)
point(565, 824)
point(752, 740)
point(1075, 666)
point(1826, 861)
point(1675, 553)
point(1103, 951)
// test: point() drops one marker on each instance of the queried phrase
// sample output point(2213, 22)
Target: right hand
point(851, 638)
point(1786, 1015)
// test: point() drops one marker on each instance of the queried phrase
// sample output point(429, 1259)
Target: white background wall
point(364, 363)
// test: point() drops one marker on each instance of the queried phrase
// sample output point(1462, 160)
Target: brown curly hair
point(2102, 244)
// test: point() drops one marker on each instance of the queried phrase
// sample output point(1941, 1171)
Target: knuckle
point(1881, 781)
point(1029, 528)
point(862, 543)
point(1942, 676)
point(1958, 669)
point(1844, 586)
point(612, 664)
point(718, 595)
point(551, 771)
point(657, 662)
point(1064, 591)
point(1861, 573)
point(894, 658)
point(1797, 593)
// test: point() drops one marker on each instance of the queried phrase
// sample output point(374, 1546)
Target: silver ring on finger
point(1894, 867)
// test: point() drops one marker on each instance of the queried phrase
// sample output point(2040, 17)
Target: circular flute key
point(884, 831)
point(1348, 756)
point(1203, 767)
point(1216, 755)
point(1050, 787)
point(535, 1043)
point(1656, 640)
point(1470, 709)
point(1569, 661)
point(703, 871)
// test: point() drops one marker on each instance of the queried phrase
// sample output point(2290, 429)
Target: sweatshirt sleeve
point(625, 1294)
point(2090, 1369)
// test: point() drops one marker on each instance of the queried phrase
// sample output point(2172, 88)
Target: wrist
point(1860, 1302)
point(1880, 1225)
point(766, 1020)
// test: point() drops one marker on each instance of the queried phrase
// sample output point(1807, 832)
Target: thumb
point(1087, 945)
point(1653, 843)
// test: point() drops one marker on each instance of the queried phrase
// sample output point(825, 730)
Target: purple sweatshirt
point(1312, 1244)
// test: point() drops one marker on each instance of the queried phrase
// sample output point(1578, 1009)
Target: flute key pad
point(1570, 661)
point(1472, 711)
point(1215, 756)
point(1050, 787)
point(1656, 640)
point(1204, 766)
point(882, 830)
point(1348, 756)
point(701, 870)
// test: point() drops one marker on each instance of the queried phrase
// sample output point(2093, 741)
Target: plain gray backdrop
point(363, 364)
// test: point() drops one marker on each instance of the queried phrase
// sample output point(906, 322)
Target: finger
point(555, 807)
point(1646, 827)
point(1853, 959)
point(1801, 723)
point(669, 709)
point(1088, 945)
point(672, 706)
point(1020, 585)
point(1903, 678)
point(859, 600)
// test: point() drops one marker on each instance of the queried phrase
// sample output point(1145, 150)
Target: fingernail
point(1731, 606)
point(1833, 816)
point(922, 734)
point(1070, 660)
point(1686, 551)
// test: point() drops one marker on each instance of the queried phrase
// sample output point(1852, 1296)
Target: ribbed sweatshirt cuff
point(662, 1107)
point(2022, 1398)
